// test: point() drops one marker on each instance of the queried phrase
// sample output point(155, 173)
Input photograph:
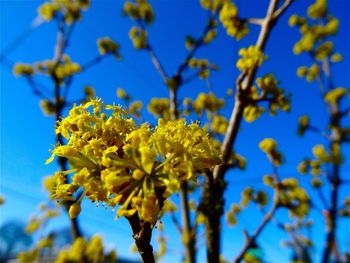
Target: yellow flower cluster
point(234, 26)
point(132, 107)
point(83, 251)
point(21, 69)
point(37, 221)
point(269, 146)
point(315, 32)
point(251, 57)
point(231, 214)
point(28, 256)
point(268, 92)
point(119, 163)
point(276, 97)
point(203, 66)
point(334, 96)
point(212, 5)
point(318, 10)
point(293, 197)
point(322, 156)
point(252, 112)
point(89, 93)
point(303, 124)
point(207, 102)
point(311, 73)
point(71, 10)
point(47, 107)
point(160, 107)
point(140, 10)
point(251, 195)
point(135, 108)
point(219, 124)
point(209, 37)
point(108, 46)
point(138, 37)
point(64, 69)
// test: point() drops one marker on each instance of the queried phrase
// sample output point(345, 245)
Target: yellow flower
point(333, 96)
point(251, 57)
point(74, 210)
point(229, 18)
point(21, 69)
point(108, 46)
point(119, 163)
point(219, 124)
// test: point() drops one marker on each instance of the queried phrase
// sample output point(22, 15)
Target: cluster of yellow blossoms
point(119, 163)
point(268, 92)
point(311, 73)
point(335, 95)
point(70, 10)
point(86, 251)
point(36, 223)
point(315, 31)
point(321, 157)
point(160, 107)
point(212, 5)
point(203, 66)
point(22, 69)
point(138, 37)
point(269, 146)
point(64, 69)
point(142, 12)
point(108, 46)
point(293, 197)
point(80, 251)
point(251, 57)
point(139, 10)
point(207, 102)
point(234, 26)
point(132, 107)
point(290, 195)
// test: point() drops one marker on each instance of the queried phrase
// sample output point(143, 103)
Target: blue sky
point(26, 135)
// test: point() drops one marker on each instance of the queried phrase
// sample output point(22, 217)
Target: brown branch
point(142, 234)
point(61, 44)
point(247, 81)
point(251, 239)
point(157, 63)
point(254, 21)
point(183, 66)
point(92, 62)
point(243, 85)
point(282, 9)
point(35, 88)
point(176, 223)
point(188, 229)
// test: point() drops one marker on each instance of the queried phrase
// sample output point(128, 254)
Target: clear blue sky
point(26, 135)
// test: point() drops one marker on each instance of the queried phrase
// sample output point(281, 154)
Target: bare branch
point(176, 222)
point(157, 63)
point(247, 80)
point(251, 239)
point(254, 21)
point(92, 62)
point(283, 8)
point(35, 88)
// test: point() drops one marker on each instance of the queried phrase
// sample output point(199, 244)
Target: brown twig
point(243, 84)
point(142, 234)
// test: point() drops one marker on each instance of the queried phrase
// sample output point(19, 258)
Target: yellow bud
point(138, 174)
point(74, 210)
